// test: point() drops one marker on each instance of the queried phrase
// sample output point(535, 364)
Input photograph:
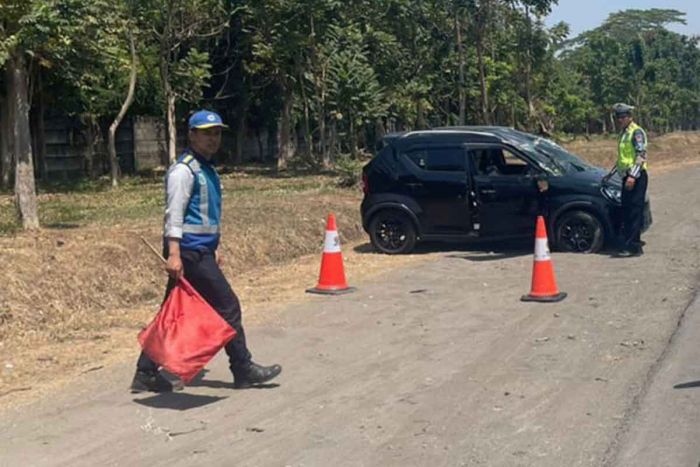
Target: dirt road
point(437, 364)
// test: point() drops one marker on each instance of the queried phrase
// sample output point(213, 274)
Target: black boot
point(630, 252)
point(253, 374)
point(152, 381)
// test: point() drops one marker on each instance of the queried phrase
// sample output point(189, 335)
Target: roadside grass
point(664, 150)
point(88, 203)
point(88, 258)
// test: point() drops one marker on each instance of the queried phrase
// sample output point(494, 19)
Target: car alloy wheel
point(392, 232)
point(579, 232)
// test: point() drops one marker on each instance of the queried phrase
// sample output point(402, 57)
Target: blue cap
point(206, 119)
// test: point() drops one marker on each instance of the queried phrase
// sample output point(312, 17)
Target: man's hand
point(629, 183)
point(219, 258)
point(174, 266)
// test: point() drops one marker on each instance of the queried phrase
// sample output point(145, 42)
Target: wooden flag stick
point(155, 252)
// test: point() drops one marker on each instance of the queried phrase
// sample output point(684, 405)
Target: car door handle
point(414, 185)
point(487, 191)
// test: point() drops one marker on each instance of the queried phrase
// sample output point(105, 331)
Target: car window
point(498, 161)
point(438, 159)
point(570, 161)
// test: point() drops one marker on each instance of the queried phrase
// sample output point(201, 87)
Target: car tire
point(392, 232)
point(579, 232)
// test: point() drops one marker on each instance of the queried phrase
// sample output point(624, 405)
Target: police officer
point(191, 237)
point(632, 167)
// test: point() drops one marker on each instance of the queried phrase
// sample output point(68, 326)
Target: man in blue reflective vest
point(191, 236)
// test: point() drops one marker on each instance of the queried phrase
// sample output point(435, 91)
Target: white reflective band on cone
point(541, 250)
point(332, 243)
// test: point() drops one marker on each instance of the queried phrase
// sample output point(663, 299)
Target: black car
point(461, 183)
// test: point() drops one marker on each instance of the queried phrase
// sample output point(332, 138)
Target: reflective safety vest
point(203, 213)
point(626, 154)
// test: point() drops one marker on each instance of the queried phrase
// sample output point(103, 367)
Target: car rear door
point(505, 185)
point(437, 180)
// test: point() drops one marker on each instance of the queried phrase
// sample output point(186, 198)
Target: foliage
point(632, 57)
point(349, 170)
point(335, 76)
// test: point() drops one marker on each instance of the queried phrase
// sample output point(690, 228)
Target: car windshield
point(570, 162)
point(552, 157)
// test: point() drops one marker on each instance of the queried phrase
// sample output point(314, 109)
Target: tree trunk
point(308, 137)
point(482, 83)
point(462, 86)
point(295, 139)
point(285, 146)
point(239, 139)
point(166, 58)
point(38, 133)
point(6, 158)
point(352, 138)
point(25, 188)
point(322, 142)
point(420, 115)
point(92, 132)
point(172, 129)
point(271, 148)
point(239, 124)
point(379, 133)
point(261, 153)
point(322, 130)
point(111, 145)
point(333, 142)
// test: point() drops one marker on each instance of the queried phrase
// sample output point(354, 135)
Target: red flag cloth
point(186, 333)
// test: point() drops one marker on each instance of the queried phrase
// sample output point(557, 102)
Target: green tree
point(183, 33)
point(632, 57)
point(354, 92)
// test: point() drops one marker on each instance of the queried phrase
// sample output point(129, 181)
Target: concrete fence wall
point(140, 143)
point(150, 148)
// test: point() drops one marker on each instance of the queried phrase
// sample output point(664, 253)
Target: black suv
point(461, 183)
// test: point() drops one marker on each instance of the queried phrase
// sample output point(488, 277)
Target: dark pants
point(206, 277)
point(633, 212)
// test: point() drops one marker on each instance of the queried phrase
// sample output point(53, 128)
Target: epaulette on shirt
point(191, 162)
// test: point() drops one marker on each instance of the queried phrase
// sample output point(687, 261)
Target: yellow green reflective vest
point(626, 155)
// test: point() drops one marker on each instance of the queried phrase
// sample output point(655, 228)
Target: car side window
point(438, 159)
point(498, 161)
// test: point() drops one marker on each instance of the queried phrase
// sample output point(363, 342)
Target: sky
point(583, 15)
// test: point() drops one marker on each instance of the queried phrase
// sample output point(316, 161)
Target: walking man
point(191, 239)
point(632, 167)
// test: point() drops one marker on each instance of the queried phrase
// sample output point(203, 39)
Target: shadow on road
point(491, 256)
point(177, 401)
point(199, 381)
point(480, 250)
point(690, 384)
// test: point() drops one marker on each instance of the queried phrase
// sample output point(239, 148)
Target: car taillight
point(365, 184)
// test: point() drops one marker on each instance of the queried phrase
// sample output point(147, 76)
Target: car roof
point(459, 134)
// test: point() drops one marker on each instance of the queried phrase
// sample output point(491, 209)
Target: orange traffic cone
point(331, 281)
point(544, 286)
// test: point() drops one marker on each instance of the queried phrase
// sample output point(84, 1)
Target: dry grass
point(665, 152)
point(63, 283)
